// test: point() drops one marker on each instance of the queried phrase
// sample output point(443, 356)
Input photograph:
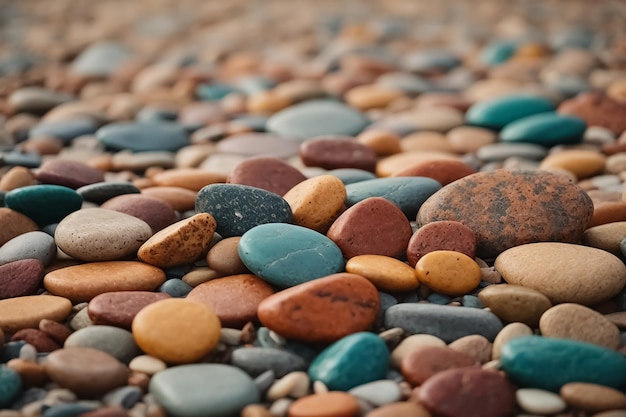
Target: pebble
point(592, 397)
point(100, 192)
point(179, 198)
point(501, 151)
point(32, 374)
point(582, 163)
point(468, 139)
point(536, 266)
point(14, 224)
point(497, 113)
point(399, 409)
point(335, 152)
point(31, 245)
point(607, 237)
point(294, 384)
point(36, 99)
point(10, 384)
point(26, 312)
point(189, 178)
point(538, 401)
point(142, 136)
point(119, 308)
point(386, 273)
point(440, 235)
point(285, 255)
point(443, 171)
point(509, 332)
point(20, 278)
point(147, 364)
point(448, 272)
point(546, 129)
point(257, 360)
point(268, 173)
point(427, 361)
point(16, 177)
point(37, 339)
point(328, 308)
point(411, 343)
point(382, 142)
point(255, 144)
point(157, 213)
point(475, 346)
point(45, 204)
point(224, 258)
point(124, 397)
point(378, 393)
point(514, 303)
point(72, 174)
point(330, 404)
point(596, 109)
point(117, 342)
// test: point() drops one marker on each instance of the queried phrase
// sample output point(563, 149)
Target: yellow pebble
point(386, 273)
point(448, 272)
point(580, 162)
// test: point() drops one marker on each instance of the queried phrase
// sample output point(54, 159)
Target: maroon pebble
point(441, 235)
point(20, 278)
point(271, 174)
point(120, 308)
point(337, 152)
point(468, 392)
point(444, 171)
point(597, 109)
point(257, 144)
point(374, 226)
point(57, 331)
point(426, 361)
point(157, 213)
point(72, 174)
point(40, 340)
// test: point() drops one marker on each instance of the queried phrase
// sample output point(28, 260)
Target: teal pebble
point(499, 112)
point(286, 255)
point(143, 136)
point(549, 363)
point(440, 299)
point(68, 410)
point(546, 129)
point(352, 175)
point(213, 92)
point(497, 52)
point(45, 204)
point(10, 385)
point(352, 361)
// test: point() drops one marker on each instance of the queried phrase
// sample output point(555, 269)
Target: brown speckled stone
point(510, 208)
point(120, 308)
point(441, 235)
point(337, 152)
point(597, 109)
point(444, 171)
point(426, 361)
point(157, 213)
point(20, 278)
point(271, 174)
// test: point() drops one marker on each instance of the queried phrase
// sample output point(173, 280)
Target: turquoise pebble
point(549, 363)
point(176, 288)
point(497, 52)
point(440, 299)
point(45, 204)
point(286, 255)
point(499, 112)
point(213, 92)
point(143, 136)
point(352, 361)
point(352, 175)
point(408, 193)
point(203, 390)
point(546, 129)
point(10, 385)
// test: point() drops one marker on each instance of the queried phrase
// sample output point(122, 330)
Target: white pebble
point(319, 387)
point(378, 392)
point(392, 335)
point(147, 364)
point(28, 353)
point(230, 337)
point(279, 408)
point(294, 384)
point(537, 401)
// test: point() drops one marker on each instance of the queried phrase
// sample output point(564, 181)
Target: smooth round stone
point(143, 136)
point(84, 282)
point(180, 243)
point(157, 213)
point(576, 322)
point(599, 275)
point(20, 278)
point(408, 83)
point(176, 331)
point(10, 386)
point(411, 343)
point(31, 245)
point(427, 361)
point(179, 198)
point(383, 142)
point(36, 99)
point(500, 203)
point(268, 173)
point(317, 202)
point(415, 154)
point(549, 363)
point(607, 237)
point(448, 272)
point(501, 151)
point(257, 360)
point(256, 144)
point(100, 192)
point(14, 224)
point(147, 364)
point(538, 401)
point(441, 235)
point(436, 119)
point(546, 129)
point(514, 303)
point(445, 322)
point(65, 130)
point(45, 204)
point(117, 342)
point(378, 393)
point(37, 339)
point(329, 308)
point(190, 178)
point(56, 331)
point(175, 287)
point(592, 397)
point(26, 312)
point(317, 118)
point(374, 226)
point(239, 208)
point(223, 257)
point(442, 171)
point(386, 273)
point(294, 384)
point(351, 361)
point(335, 152)
point(408, 193)
point(608, 212)
point(399, 409)
point(352, 175)
point(203, 390)
point(469, 139)
point(96, 234)
point(499, 112)
point(371, 96)
point(475, 346)
point(581, 163)
point(119, 308)
point(85, 371)
point(595, 108)
point(509, 332)
point(328, 404)
point(235, 299)
point(428, 60)
point(468, 392)
point(100, 59)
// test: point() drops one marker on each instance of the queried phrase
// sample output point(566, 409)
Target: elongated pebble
point(331, 404)
point(592, 397)
point(537, 401)
point(386, 273)
point(26, 312)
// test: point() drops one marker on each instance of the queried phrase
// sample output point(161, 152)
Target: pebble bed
point(312, 209)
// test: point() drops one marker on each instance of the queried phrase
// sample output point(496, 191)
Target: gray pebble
point(256, 360)
point(117, 342)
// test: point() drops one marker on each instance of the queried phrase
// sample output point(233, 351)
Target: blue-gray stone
point(238, 208)
point(386, 301)
point(263, 339)
point(446, 322)
point(31, 245)
point(45, 204)
point(408, 193)
point(213, 92)
point(11, 350)
point(65, 130)
point(123, 397)
point(143, 136)
point(203, 390)
point(439, 299)
point(498, 152)
point(286, 255)
point(256, 123)
point(177, 272)
point(100, 59)
point(115, 341)
point(431, 60)
point(68, 410)
point(317, 118)
point(545, 129)
point(153, 114)
point(100, 192)
point(175, 287)
point(472, 302)
point(256, 360)
point(352, 175)
point(27, 160)
point(10, 386)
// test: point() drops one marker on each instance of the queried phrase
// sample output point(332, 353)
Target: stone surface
point(269, 173)
point(257, 360)
point(386, 273)
point(37, 339)
point(427, 361)
point(100, 192)
point(546, 129)
point(117, 342)
point(448, 272)
point(330, 404)
point(443, 171)
point(537, 401)
point(44, 204)
point(596, 109)
point(223, 257)
point(334, 152)
point(10, 386)
point(181, 199)
point(399, 409)
point(515, 303)
point(499, 112)
point(592, 397)
point(119, 308)
point(258, 144)
point(475, 346)
point(607, 237)
point(378, 392)
point(411, 343)
point(157, 213)
point(26, 312)
point(30, 245)
point(142, 136)
point(72, 174)
point(20, 278)
point(193, 179)
point(440, 235)
point(509, 332)
point(582, 163)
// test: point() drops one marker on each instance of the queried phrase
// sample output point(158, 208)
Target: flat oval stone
point(500, 203)
point(235, 299)
point(286, 255)
point(119, 308)
point(576, 322)
point(400, 409)
point(374, 226)
point(117, 342)
point(501, 151)
point(445, 322)
point(448, 272)
point(607, 237)
point(443, 171)
point(514, 303)
point(26, 312)
point(157, 213)
point(36, 99)
point(20, 278)
point(468, 392)
point(223, 257)
point(257, 360)
point(143, 136)
point(386, 273)
point(509, 332)
point(72, 174)
point(180, 243)
point(176, 330)
point(45, 204)
point(408, 193)
point(538, 401)
point(469, 139)
point(475, 346)
point(322, 310)
point(191, 390)
point(592, 397)
point(499, 112)
point(329, 404)
point(181, 199)
point(549, 363)
point(37, 339)
point(414, 154)
point(351, 361)
point(100, 192)
point(238, 208)
point(190, 178)
point(84, 282)
point(599, 275)
point(14, 224)
point(352, 175)
point(411, 343)
point(85, 371)
point(256, 144)
point(378, 392)
point(96, 234)
point(441, 235)
point(427, 361)
point(546, 129)
point(269, 173)
point(371, 96)
point(31, 245)
point(337, 152)
point(317, 118)
point(580, 162)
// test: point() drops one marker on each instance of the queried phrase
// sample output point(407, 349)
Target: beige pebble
point(267, 102)
point(514, 303)
point(582, 163)
point(616, 164)
point(294, 385)
point(389, 165)
point(16, 177)
point(426, 141)
point(383, 142)
point(592, 397)
point(191, 178)
point(466, 139)
point(224, 258)
point(147, 364)
point(539, 401)
point(371, 96)
point(606, 236)
point(438, 119)
point(475, 345)
point(200, 275)
point(256, 410)
point(412, 343)
point(509, 332)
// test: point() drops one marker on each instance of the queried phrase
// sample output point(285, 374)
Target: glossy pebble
point(337, 152)
point(441, 235)
point(427, 361)
point(269, 173)
point(142, 136)
point(31, 245)
point(100, 192)
point(592, 397)
point(546, 129)
point(537, 401)
point(157, 213)
point(72, 174)
point(26, 312)
point(45, 204)
point(499, 112)
point(386, 273)
point(119, 308)
point(448, 272)
point(331, 404)
point(581, 163)
point(515, 303)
